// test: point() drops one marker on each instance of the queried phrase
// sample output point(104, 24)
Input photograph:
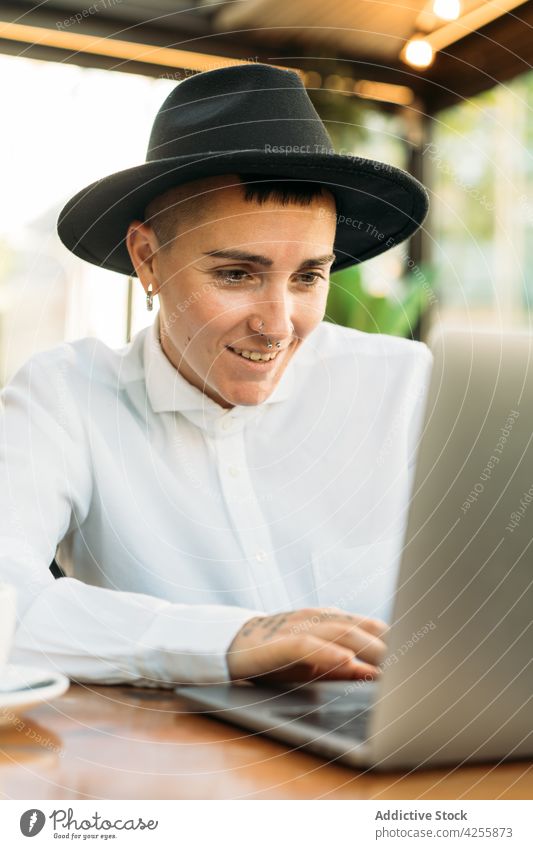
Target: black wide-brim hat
point(252, 119)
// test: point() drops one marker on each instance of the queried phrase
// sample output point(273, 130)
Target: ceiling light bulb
point(448, 10)
point(419, 53)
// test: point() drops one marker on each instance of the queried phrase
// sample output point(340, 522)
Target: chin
point(248, 396)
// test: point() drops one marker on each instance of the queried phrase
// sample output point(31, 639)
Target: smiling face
point(230, 264)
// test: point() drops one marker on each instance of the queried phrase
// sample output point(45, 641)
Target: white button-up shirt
point(176, 520)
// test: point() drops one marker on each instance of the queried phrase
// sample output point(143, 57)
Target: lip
point(258, 365)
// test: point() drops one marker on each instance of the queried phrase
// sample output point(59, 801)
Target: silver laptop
point(457, 683)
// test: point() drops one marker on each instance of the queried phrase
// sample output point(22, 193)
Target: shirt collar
point(168, 390)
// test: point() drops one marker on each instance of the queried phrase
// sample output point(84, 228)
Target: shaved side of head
point(179, 209)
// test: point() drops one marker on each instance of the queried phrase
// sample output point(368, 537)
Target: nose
point(272, 320)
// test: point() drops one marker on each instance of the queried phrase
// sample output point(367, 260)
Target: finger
point(355, 670)
point(374, 626)
point(301, 672)
point(321, 657)
point(366, 646)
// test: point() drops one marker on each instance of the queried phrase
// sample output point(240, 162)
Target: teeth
point(255, 355)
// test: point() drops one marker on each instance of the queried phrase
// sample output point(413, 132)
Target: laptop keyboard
point(343, 724)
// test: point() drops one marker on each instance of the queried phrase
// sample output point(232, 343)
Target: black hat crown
point(237, 108)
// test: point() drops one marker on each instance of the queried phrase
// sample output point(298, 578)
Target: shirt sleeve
point(89, 633)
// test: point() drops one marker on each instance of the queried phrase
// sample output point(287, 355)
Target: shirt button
point(261, 555)
point(227, 423)
point(234, 472)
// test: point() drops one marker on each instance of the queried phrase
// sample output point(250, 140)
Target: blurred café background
point(443, 89)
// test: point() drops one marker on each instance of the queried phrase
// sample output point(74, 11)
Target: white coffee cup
point(8, 621)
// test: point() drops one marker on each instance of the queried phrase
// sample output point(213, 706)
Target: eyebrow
point(259, 259)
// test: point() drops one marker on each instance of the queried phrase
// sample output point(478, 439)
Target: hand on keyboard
point(307, 644)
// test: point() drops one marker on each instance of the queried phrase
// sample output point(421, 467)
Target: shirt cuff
point(187, 644)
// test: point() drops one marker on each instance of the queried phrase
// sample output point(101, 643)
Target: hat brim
point(378, 205)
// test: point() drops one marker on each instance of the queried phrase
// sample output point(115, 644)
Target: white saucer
point(22, 687)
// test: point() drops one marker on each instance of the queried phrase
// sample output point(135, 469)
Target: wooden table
point(129, 743)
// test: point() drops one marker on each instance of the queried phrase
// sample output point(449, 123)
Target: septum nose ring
point(269, 341)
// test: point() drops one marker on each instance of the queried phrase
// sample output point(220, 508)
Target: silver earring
point(149, 298)
point(278, 345)
point(269, 342)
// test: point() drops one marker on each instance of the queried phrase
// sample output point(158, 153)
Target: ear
point(142, 245)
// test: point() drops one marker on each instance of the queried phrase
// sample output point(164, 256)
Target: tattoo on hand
point(269, 624)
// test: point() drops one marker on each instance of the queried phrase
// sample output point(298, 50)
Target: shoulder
point(81, 363)
point(334, 343)
point(336, 364)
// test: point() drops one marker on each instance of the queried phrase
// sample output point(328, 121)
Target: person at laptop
point(225, 495)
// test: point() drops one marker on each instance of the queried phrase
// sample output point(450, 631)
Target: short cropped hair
point(165, 216)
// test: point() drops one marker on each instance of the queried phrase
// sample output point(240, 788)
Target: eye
point(229, 275)
point(315, 278)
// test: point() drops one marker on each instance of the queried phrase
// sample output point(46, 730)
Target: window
point(482, 206)
point(64, 126)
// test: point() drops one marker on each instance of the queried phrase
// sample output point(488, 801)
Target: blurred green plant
point(366, 128)
point(351, 304)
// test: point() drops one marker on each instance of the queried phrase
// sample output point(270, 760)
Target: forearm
point(98, 635)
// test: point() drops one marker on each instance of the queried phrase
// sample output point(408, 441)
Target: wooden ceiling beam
point(495, 54)
point(191, 36)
